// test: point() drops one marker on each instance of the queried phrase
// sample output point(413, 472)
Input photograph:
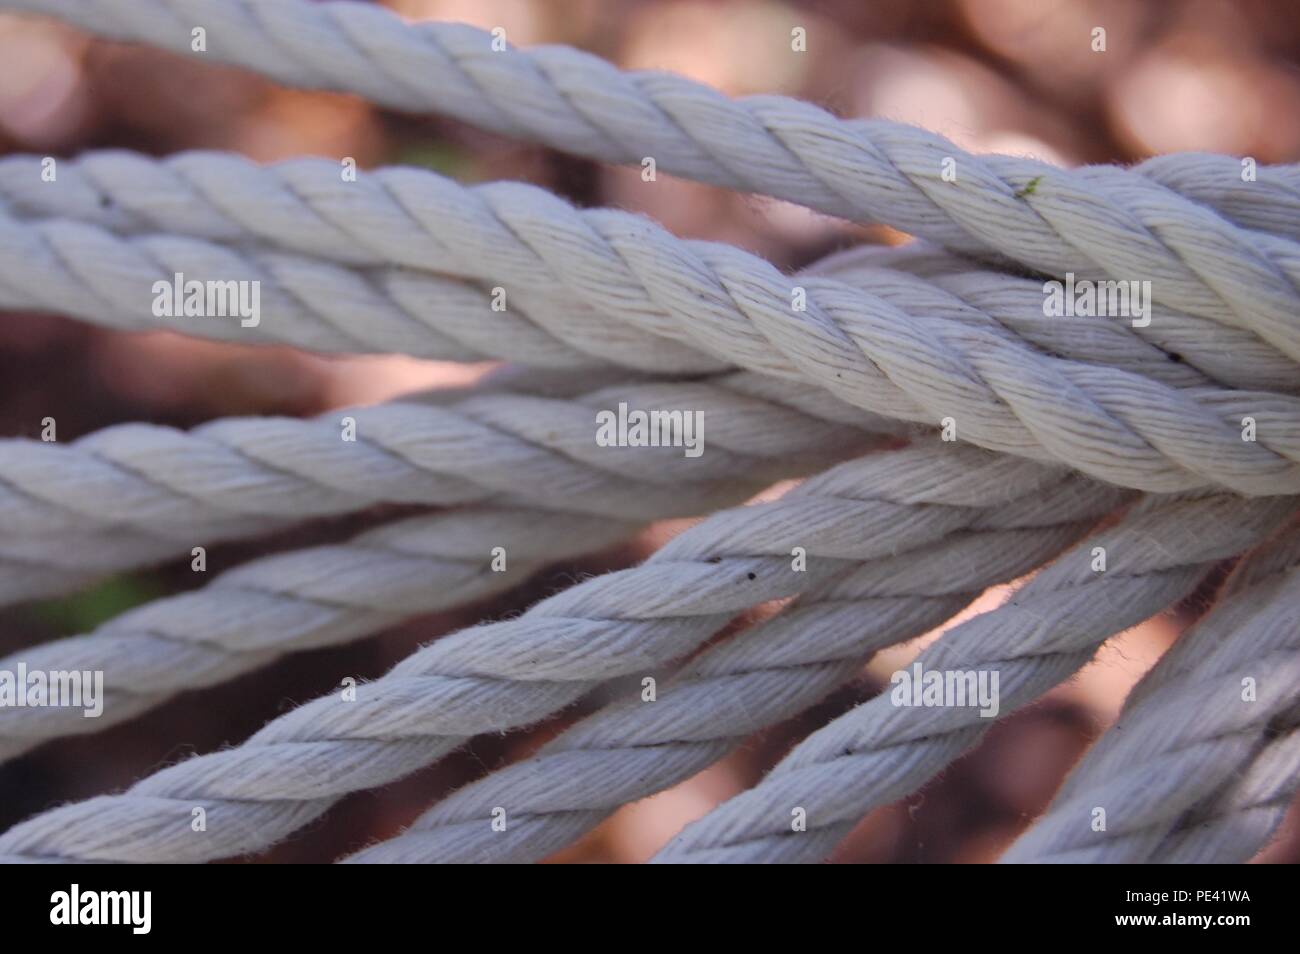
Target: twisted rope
point(912, 366)
point(398, 217)
point(45, 565)
point(501, 675)
point(1095, 221)
point(879, 752)
point(38, 565)
point(532, 448)
point(767, 673)
point(1176, 349)
point(1161, 408)
point(1237, 822)
point(305, 599)
point(34, 566)
point(1189, 730)
point(376, 571)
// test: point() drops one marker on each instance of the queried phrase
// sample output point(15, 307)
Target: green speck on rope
point(1030, 188)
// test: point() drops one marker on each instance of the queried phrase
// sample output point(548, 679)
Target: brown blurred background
point(1016, 76)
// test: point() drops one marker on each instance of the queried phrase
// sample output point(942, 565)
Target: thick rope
point(1190, 729)
point(542, 450)
point(912, 366)
point(1234, 825)
point(880, 752)
point(742, 685)
point(313, 305)
point(1200, 401)
point(45, 565)
point(40, 565)
point(1270, 203)
point(506, 674)
point(34, 566)
point(1098, 220)
point(203, 617)
point(305, 599)
point(394, 219)
point(1175, 349)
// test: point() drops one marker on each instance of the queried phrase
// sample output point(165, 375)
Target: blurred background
point(1013, 76)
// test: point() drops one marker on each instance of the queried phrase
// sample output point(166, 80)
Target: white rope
point(880, 752)
point(538, 449)
point(1190, 728)
point(1175, 349)
point(396, 216)
point(1238, 821)
point(510, 673)
point(1093, 221)
point(912, 366)
point(40, 565)
point(188, 641)
point(1270, 204)
point(767, 673)
point(48, 565)
point(305, 599)
point(1200, 401)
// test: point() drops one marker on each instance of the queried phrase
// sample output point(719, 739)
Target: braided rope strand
point(540, 449)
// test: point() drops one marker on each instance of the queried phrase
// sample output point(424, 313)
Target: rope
point(312, 305)
point(1233, 826)
point(767, 673)
point(911, 366)
point(396, 216)
point(43, 564)
point(191, 641)
point(1176, 349)
point(506, 674)
point(538, 449)
point(1189, 730)
point(879, 752)
point(1095, 221)
point(304, 599)
point(38, 567)
point(1199, 405)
